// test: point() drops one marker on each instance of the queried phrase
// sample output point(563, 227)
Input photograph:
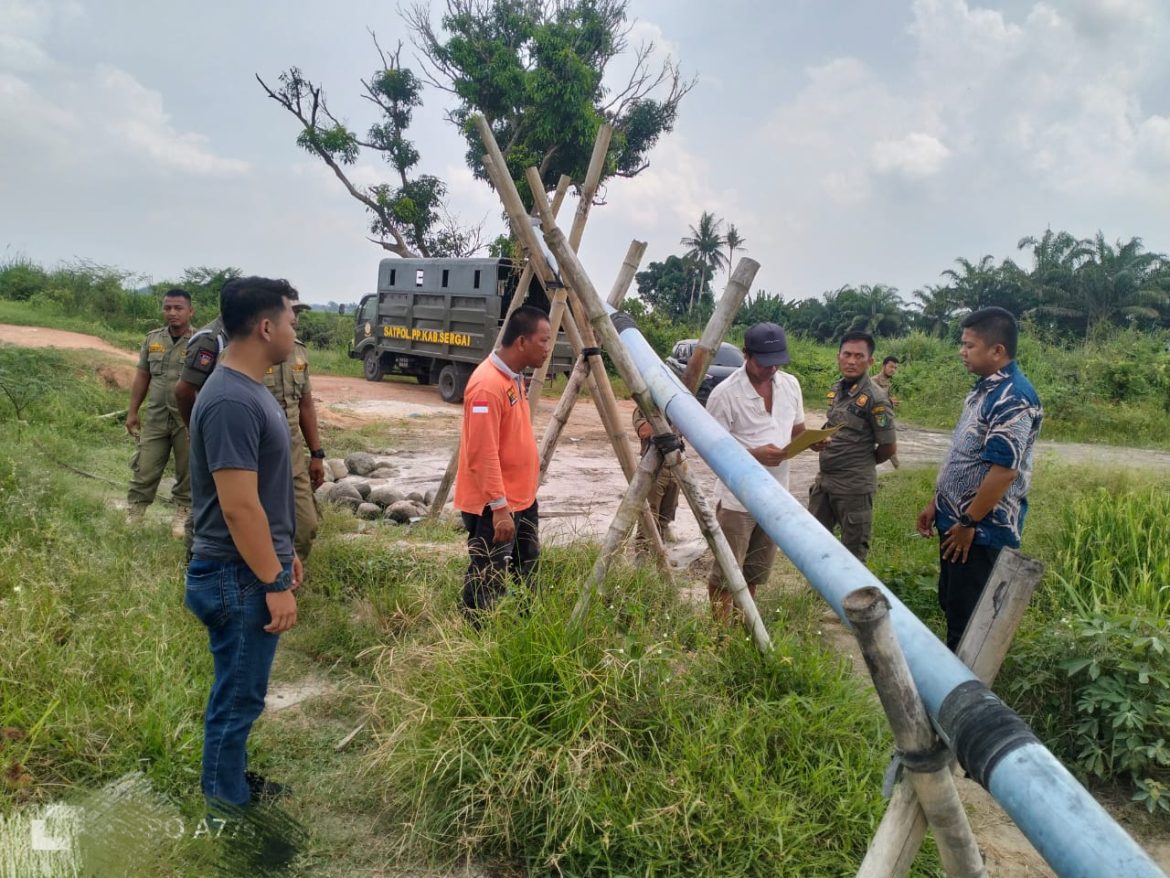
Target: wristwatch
point(966, 520)
point(283, 582)
point(319, 454)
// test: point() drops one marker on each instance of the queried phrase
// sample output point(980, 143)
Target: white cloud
point(80, 119)
point(135, 115)
point(913, 157)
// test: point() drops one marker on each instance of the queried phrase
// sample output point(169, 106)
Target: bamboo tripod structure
point(983, 648)
point(588, 302)
point(579, 332)
point(654, 460)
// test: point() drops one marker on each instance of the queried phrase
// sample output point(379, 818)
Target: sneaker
point(179, 522)
point(263, 789)
point(135, 514)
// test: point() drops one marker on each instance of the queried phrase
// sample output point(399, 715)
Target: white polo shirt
point(736, 406)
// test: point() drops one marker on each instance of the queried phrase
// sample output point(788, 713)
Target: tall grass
point(642, 744)
point(1115, 554)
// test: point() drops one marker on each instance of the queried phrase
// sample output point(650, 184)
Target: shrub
point(1097, 688)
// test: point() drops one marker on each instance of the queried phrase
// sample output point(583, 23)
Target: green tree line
point(1074, 288)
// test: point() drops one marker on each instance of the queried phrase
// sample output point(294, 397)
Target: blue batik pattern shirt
point(999, 424)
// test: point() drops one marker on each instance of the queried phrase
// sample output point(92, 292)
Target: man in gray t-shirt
point(237, 424)
point(243, 569)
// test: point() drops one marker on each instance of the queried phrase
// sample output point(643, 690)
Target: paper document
point(807, 438)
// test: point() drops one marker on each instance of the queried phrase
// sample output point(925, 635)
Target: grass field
point(651, 741)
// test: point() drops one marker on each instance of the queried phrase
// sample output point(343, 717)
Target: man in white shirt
point(762, 408)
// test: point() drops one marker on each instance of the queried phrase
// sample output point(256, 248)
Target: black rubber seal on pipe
point(623, 321)
point(982, 729)
point(591, 352)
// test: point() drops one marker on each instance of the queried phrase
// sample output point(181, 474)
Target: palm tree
point(734, 242)
point(706, 246)
point(937, 307)
point(875, 309)
point(982, 284)
point(1118, 281)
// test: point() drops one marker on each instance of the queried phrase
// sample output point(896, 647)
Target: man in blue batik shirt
point(981, 497)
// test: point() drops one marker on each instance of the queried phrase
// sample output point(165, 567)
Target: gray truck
point(437, 319)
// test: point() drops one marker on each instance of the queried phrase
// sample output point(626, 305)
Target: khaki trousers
point(853, 513)
point(162, 434)
point(308, 517)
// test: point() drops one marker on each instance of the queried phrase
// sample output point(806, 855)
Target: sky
point(849, 141)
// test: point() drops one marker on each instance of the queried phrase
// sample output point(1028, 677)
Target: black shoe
point(264, 790)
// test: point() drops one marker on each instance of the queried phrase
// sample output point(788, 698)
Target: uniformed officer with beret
point(842, 495)
point(289, 383)
point(161, 433)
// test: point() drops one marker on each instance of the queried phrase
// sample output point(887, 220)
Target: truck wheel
point(372, 365)
point(452, 381)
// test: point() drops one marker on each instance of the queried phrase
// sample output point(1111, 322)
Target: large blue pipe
point(1068, 827)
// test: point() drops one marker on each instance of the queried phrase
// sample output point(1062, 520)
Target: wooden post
point(720, 322)
point(580, 218)
point(518, 297)
point(604, 398)
point(983, 647)
point(725, 310)
point(868, 611)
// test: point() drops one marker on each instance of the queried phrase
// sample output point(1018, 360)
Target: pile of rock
point(363, 484)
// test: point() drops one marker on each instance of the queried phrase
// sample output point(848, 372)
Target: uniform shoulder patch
point(204, 361)
point(832, 394)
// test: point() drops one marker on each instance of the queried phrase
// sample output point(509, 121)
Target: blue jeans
point(228, 598)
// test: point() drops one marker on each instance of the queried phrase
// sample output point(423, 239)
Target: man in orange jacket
point(499, 465)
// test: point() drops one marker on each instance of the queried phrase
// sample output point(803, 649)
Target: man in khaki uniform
point(289, 383)
point(842, 494)
point(161, 432)
point(884, 378)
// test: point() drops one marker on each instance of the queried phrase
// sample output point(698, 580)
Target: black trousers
point(490, 562)
point(960, 586)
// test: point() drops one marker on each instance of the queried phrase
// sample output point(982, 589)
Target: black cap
point(767, 344)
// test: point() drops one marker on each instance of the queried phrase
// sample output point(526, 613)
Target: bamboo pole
point(604, 398)
point(556, 424)
point(868, 611)
point(725, 310)
point(518, 297)
point(736, 291)
point(581, 217)
point(556, 309)
point(983, 648)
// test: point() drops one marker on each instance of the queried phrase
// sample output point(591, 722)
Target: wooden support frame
point(868, 611)
point(983, 647)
